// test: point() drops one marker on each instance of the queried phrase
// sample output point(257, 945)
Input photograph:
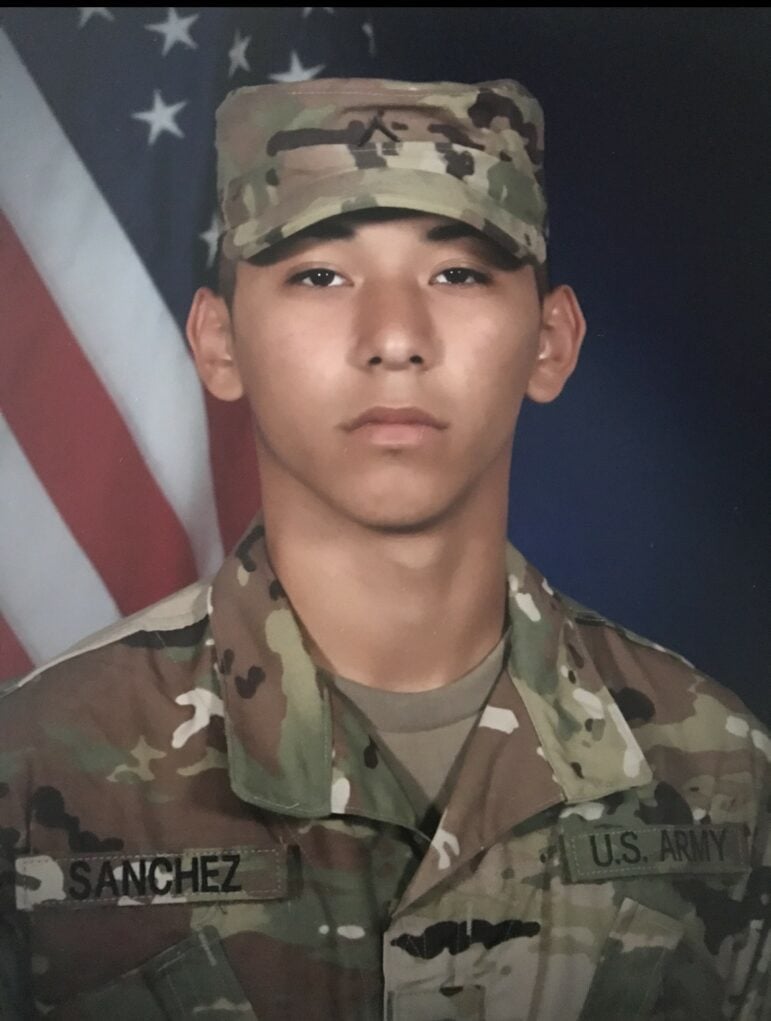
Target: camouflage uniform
point(195, 823)
point(203, 827)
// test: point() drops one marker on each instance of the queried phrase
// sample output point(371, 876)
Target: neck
point(408, 612)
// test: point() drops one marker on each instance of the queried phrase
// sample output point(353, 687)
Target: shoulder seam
point(143, 620)
point(591, 618)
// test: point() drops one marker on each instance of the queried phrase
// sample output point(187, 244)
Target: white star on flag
point(161, 117)
point(174, 30)
point(237, 53)
point(87, 13)
point(296, 72)
point(210, 237)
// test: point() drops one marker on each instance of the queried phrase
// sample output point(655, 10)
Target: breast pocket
point(192, 979)
point(629, 979)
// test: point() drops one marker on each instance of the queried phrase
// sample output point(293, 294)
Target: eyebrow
point(335, 230)
point(484, 247)
point(452, 232)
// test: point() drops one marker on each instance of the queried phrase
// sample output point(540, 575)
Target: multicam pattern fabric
point(196, 825)
point(292, 155)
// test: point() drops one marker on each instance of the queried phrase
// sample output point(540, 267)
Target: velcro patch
point(207, 874)
point(591, 856)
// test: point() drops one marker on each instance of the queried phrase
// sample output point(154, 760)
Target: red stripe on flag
point(14, 661)
point(80, 447)
point(234, 466)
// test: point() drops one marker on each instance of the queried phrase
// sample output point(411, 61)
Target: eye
point(318, 278)
point(462, 275)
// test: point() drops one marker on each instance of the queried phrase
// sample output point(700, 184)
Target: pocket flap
point(450, 1004)
point(629, 975)
point(191, 979)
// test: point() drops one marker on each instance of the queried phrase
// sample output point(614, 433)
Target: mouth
point(396, 428)
point(394, 416)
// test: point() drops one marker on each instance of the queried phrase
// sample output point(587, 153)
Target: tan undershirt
point(421, 733)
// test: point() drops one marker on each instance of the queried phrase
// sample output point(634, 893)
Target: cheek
point(496, 376)
point(496, 357)
point(287, 384)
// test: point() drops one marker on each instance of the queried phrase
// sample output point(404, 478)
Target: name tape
point(652, 850)
point(239, 873)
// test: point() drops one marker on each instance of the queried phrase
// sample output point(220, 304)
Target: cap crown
point(293, 154)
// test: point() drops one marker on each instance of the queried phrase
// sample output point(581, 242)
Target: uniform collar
point(583, 734)
point(297, 748)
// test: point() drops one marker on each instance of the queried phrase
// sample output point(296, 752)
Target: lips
point(394, 416)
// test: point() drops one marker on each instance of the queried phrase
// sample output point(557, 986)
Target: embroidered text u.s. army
point(609, 853)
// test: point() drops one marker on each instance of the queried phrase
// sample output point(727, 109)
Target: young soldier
point(379, 768)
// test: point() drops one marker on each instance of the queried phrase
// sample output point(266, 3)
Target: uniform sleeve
point(721, 971)
point(15, 996)
point(16, 1000)
point(749, 988)
point(745, 958)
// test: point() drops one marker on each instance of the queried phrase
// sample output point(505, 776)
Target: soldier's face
point(386, 370)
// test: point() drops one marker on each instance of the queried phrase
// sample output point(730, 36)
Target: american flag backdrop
point(121, 480)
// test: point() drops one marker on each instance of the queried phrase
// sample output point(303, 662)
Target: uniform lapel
point(277, 716)
point(294, 745)
point(551, 733)
point(582, 731)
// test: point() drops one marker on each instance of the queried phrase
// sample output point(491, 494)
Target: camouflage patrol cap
point(291, 155)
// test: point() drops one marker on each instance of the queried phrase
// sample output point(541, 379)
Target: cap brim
point(419, 191)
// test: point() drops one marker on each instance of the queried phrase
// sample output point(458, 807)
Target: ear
point(210, 336)
point(562, 330)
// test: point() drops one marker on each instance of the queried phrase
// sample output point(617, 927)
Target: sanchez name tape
point(237, 873)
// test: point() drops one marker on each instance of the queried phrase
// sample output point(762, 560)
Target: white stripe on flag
point(51, 595)
point(108, 300)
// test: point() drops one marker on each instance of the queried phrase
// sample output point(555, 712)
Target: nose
point(394, 329)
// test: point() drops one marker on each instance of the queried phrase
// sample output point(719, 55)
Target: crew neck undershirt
point(421, 733)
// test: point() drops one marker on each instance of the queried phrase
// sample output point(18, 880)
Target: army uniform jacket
point(196, 825)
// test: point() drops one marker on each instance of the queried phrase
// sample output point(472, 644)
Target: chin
point(401, 517)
